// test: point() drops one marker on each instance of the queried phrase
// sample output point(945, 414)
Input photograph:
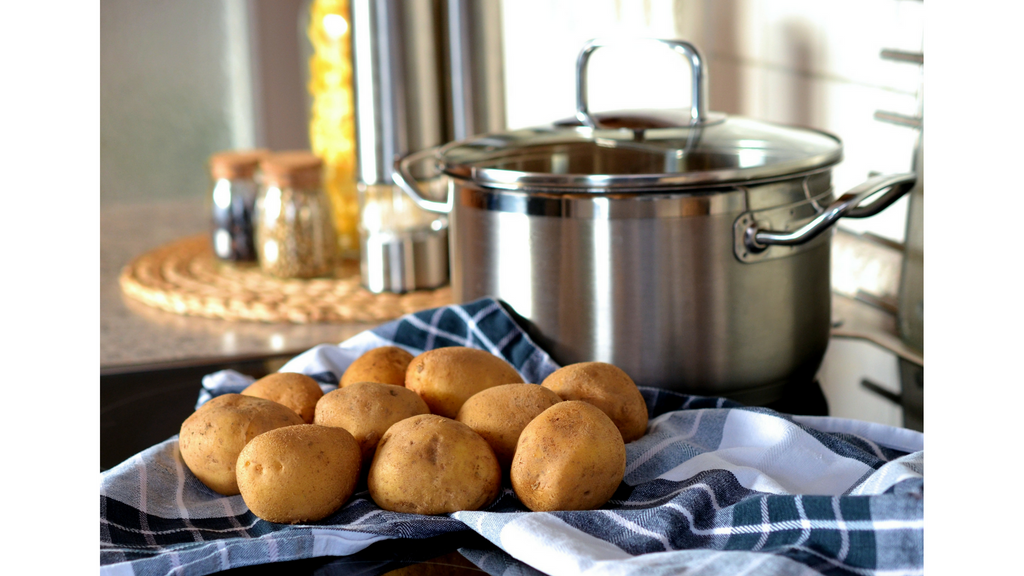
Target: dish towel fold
point(714, 487)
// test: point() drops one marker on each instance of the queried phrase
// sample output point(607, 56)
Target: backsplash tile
point(837, 40)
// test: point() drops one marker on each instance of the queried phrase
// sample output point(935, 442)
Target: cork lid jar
point(293, 169)
point(295, 236)
point(236, 164)
point(231, 201)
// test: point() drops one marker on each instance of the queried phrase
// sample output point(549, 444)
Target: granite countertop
point(134, 336)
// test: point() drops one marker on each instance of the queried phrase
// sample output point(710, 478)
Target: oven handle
point(848, 205)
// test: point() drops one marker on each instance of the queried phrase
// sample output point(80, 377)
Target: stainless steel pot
point(685, 248)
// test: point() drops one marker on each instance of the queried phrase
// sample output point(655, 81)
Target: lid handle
point(699, 97)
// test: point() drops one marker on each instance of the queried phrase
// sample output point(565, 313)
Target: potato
point(571, 457)
point(446, 377)
point(429, 464)
point(607, 387)
point(296, 391)
point(211, 438)
point(499, 414)
point(386, 365)
point(298, 473)
point(367, 410)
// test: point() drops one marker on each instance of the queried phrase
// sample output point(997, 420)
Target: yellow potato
point(429, 464)
point(298, 473)
point(211, 438)
point(499, 414)
point(367, 410)
point(386, 365)
point(446, 377)
point(607, 387)
point(296, 391)
point(571, 457)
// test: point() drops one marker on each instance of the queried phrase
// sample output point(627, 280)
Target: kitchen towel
point(714, 487)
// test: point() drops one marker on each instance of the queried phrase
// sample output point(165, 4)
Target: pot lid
point(640, 150)
point(733, 150)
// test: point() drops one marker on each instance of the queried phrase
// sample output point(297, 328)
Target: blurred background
point(182, 79)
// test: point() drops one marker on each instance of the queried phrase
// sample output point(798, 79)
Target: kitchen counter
point(135, 337)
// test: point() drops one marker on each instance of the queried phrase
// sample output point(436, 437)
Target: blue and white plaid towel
point(714, 487)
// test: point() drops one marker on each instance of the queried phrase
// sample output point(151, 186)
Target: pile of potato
point(430, 434)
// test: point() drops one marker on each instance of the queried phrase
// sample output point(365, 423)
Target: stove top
point(802, 400)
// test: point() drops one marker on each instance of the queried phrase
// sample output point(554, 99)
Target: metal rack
point(910, 305)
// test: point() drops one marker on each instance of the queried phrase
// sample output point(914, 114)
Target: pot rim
point(509, 160)
point(597, 185)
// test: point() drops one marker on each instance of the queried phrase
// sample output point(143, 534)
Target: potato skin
point(571, 457)
point(499, 414)
point(298, 473)
point(366, 410)
point(429, 464)
point(607, 387)
point(296, 391)
point(213, 436)
point(386, 365)
point(446, 377)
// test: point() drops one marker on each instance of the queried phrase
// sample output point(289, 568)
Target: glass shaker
point(295, 236)
point(231, 202)
point(403, 247)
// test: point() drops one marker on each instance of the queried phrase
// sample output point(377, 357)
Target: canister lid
point(640, 150)
point(236, 164)
point(293, 169)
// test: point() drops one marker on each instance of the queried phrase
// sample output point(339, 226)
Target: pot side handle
point(848, 205)
point(402, 176)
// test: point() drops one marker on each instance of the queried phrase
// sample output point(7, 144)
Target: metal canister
point(399, 107)
point(410, 94)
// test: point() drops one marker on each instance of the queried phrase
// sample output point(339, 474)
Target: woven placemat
point(185, 277)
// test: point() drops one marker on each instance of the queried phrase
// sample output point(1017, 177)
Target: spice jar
point(231, 202)
point(295, 235)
